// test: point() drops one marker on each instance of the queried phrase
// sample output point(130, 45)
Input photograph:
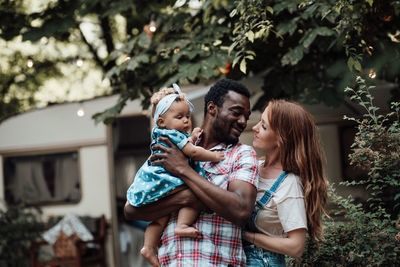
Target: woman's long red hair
point(301, 153)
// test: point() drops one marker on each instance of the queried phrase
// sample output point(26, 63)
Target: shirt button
point(179, 255)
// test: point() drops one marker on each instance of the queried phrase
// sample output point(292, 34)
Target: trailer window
point(42, 179)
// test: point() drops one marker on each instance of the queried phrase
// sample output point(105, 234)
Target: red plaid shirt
point(221, 244)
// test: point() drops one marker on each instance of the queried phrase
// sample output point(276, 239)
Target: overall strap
point(269, 192)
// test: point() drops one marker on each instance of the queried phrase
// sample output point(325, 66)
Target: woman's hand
point(249, 236)
point(293, 245)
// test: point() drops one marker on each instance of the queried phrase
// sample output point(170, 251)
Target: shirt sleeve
point(292, 214)
point(245, 166)
point(290, 204)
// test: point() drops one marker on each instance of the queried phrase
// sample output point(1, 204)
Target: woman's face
point(264, 137)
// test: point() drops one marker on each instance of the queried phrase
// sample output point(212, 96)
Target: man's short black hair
point(218, 91)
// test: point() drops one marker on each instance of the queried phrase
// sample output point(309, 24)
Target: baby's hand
point(194, 136)
point(219, 155)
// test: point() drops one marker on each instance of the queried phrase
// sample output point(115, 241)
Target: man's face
point(232, 118)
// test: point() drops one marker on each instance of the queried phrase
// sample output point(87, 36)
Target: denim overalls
point(257, 257)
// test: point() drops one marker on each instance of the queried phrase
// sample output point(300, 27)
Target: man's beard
point(223, 132)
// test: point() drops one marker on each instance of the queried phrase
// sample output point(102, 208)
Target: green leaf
point(250, 36)
point(207, 70)
point(236, 60)
point(370, 2)
point(309, 38)
point(189, 70)
point(144, 40)
point(287, 27)
point(324, 31)
point(144, 58)
point(293, 56)
point(109, 115)
point(353, 63)
point(49, 28)
point(243, 66)
point(132, 64)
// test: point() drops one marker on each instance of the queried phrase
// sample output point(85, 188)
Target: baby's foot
point(187, 231)
point(150, 255)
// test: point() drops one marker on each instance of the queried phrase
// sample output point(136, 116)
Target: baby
point(171, 113)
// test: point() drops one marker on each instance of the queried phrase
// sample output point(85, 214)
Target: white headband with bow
point(167, 101)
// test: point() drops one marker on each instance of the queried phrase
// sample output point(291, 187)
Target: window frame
point(45, 152)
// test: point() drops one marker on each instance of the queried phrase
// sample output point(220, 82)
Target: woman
point(293, 168)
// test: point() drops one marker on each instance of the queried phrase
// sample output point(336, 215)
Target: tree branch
point(97, 59)
point(105, 26)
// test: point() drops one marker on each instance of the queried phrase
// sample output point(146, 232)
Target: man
point(228, 193)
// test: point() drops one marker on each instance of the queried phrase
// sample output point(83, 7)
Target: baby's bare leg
point(151, 237)
point(186, 217)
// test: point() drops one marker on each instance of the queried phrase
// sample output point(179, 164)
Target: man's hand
point(164, 206)
point(172, 159)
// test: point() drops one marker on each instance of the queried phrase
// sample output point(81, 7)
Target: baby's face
point(177, 117)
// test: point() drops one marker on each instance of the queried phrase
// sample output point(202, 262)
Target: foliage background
point(18, 225)
point(304, 50)
point(369, 234)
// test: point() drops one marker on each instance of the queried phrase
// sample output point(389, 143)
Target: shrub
point(18, 225)
point(376, 149)
point(361, 239)
point(365, 236)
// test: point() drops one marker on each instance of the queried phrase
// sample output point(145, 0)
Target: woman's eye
point(265, 128)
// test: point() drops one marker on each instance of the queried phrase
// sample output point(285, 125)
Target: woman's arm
point(201, 154)
point(293, 245)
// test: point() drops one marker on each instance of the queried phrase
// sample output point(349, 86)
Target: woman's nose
point(255, 127)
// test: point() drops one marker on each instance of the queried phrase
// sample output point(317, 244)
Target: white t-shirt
point(285, 211)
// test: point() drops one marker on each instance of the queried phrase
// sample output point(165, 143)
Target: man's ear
point(212, 109)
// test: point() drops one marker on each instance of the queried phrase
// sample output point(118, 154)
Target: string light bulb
point(152, 24)
point(29, 62)
point(81, 111)
point(79, 61)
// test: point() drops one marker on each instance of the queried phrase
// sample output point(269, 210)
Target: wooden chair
point(86, 255)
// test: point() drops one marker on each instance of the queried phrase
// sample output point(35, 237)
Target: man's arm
point(234, 204)
point(163, 207)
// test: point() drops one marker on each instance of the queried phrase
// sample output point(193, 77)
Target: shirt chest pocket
point(219, 172)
